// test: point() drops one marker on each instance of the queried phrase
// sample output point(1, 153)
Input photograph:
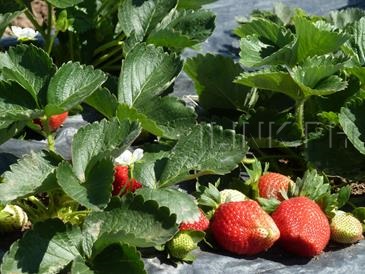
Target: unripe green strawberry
point(345, 228)
point(12, 218)
point(232, 195)
point(181, 245)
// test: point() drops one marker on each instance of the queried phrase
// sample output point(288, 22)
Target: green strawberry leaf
point(277, 81)
point(95, 192)
point(138, 18)
point(160, 23)
point(116, 257)
point(359, 33)
point(166, 116)
point(206, 150)
point(313, 41)
point(156, 71)
point(30, 67)
point(283, 12)
point(351, 122)
point(8, 129)
point(359, 72)
point(33, 173)
point(193, 4)
point(79, 266)
point(103, 101)
point(183, 28)
point(62, 4)
point(47, 248)
point(141, 224)
point(132, 114)
point(216, 90)
point(265, 43)
point(16, 103)
point(147, 170)
point(100, 139)
point(255, 53)
point(341, 18)
point(72, 84)
point(343, 196)
point(316, 76)
point(178, 202)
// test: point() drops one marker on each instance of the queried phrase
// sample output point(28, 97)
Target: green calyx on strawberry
point(345, 228)
point(12, 217)
point(267, 185)
point(243, 228)
point(183, 243)
point(211, 198)
point(200, 225)
point(122, 183)
point(304, 228)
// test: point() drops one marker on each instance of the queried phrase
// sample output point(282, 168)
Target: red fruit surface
point(304, 228)
point(270, 184)
point(243, 228)
point(122, 184)
point(201, 225)
point(55, 121)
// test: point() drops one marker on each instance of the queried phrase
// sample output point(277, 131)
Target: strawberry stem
point(51, 143)
point(49, 38)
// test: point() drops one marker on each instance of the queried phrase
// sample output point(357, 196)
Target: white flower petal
point(24, 33)
point(137, 154)
point(124, 159)
point(127, 157)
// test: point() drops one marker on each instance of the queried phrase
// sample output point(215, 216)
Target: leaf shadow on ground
point(231, 50)
point(355, 4)
point(6, 159)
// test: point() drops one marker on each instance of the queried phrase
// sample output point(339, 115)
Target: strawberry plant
point(265, 155)
point(101, 33)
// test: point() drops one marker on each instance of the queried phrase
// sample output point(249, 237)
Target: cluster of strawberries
point(298, 224)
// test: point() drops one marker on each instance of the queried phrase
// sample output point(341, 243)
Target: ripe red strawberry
point(243, 228)
point(55, 121)
point(304, 228)
point(270, 184)
point(201, 225)
point(122, 184)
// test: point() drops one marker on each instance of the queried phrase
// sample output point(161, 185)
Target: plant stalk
point(49, 38)
point(51, 143)
point(299, 114)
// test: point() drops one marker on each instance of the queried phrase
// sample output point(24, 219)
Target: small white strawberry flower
point(127, 158)
point(24, 34)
